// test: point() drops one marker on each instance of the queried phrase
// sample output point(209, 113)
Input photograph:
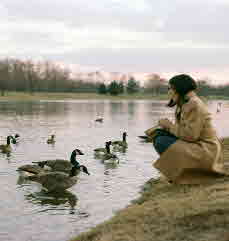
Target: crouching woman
point(190, 152)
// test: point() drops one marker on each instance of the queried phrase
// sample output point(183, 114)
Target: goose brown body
point(60, 164)
point(103, 150)
point(6, 148)
point(54, 181)
point(120, 144)
point(34, 169)
point(51, 140)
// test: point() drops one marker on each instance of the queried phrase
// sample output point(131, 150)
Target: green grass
point(167, 212)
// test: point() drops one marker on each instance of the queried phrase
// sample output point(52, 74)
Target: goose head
point(108, 143)
point(8, 139)
point(73, 156)
point(42, 164)
point(77, 152)
point(74, 170)
point(84, 169)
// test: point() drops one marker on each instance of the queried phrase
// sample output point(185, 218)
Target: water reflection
point(108, 166)
point(51, 201)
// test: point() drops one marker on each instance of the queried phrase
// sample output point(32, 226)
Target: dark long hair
point(182, 84)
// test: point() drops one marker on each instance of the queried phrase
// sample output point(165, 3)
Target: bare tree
point(4, 75)
point(154, 84)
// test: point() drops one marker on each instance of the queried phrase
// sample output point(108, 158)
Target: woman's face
point(173, 96)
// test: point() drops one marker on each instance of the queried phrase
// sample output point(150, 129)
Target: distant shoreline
point(24, 96)
point(36, 96)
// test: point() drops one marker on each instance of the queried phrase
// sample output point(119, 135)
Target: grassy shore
point(24, 96)
point(167, 212)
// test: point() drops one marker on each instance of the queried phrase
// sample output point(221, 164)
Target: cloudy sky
point(166, 36)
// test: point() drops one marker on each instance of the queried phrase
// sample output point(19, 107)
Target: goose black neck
point(124, 137)
point(73, 160)
point(8, 140)
point(108, 148)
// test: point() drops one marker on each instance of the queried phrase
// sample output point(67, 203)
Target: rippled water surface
point(27, 212)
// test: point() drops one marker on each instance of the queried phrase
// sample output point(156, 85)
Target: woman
point(189, 150)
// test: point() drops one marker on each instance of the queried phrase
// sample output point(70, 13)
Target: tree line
point(154, 86)
point(28, 76)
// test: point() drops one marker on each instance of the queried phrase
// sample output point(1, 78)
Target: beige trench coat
point(196, 156)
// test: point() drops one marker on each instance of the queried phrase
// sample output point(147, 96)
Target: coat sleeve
point(191, 124)
point(173, 129)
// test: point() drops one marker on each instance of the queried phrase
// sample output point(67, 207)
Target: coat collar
point(191, 94)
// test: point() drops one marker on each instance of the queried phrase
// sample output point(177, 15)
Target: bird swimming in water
point(51, 140)
point(122, 143)
point(6, 148)
point(102, 150)
point(58, 181)
point(60, 164)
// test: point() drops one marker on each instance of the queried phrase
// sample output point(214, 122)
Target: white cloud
point(178, 34)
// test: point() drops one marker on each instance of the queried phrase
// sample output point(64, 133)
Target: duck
point(102, 150)
point(58, 181)
point(121, 144)
point(6, 148)
point(51, 140)
point(60, 164)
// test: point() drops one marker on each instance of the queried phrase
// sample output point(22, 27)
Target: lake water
point(29, 214)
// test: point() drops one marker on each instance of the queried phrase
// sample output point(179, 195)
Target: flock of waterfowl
point(59, 175)
point(105, 154)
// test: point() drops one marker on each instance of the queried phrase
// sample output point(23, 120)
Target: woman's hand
point(165, 123)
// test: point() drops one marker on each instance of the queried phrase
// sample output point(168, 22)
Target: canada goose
point(100, 119)
point(6, 148)
point(62, 165)
point(58, 181)
point(122, 143)
point(103, 149)
point(51, 140)
point(109, 157)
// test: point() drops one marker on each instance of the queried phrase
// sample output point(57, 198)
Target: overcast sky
point(165, 36)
